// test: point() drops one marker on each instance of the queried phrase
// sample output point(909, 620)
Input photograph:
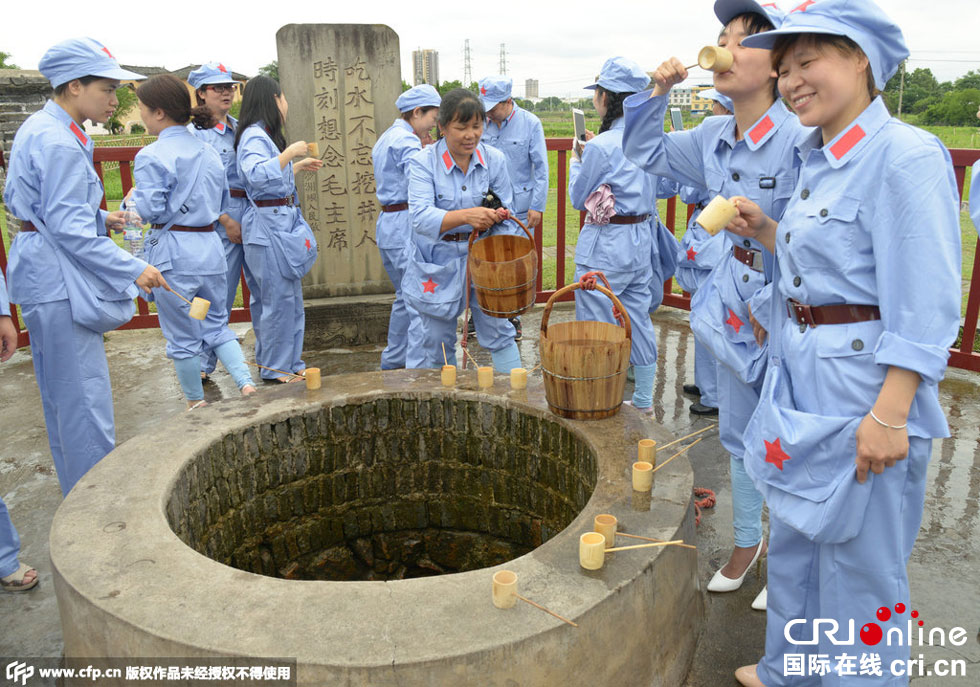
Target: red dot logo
point(871, 634)
point(884, 614)
point(900, 608)
point(915, 614)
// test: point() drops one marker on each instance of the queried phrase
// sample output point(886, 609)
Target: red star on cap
point(221, 68)
point(691, 254)
point(429, 286)
point(734, 321)
point(309, 245)
point(483, 90)
point(802, 8)
point(775, 453)
point(106, 51)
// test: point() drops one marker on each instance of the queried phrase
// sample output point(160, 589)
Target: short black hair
point(461, 105)
point(84, 80)
point(407, 116)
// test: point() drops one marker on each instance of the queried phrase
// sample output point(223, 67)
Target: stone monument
point(341, 81)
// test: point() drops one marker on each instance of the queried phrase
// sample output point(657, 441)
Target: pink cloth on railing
point(600, 205)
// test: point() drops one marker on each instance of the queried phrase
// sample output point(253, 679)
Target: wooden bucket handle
point(519, 223)
point(571, 287)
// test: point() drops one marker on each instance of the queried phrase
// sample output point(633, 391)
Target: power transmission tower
point(467, 66)
point(503, 58)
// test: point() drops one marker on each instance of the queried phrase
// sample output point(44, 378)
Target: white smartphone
point(675, 119)
point(578, 119)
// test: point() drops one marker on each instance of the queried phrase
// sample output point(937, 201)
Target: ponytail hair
point(168, 93)
point(614, 107)
point(259, 105)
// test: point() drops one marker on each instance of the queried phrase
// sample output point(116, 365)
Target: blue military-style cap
point(621, 75)
point(720, 98)
point(212, 73)
point(422, 95)
point(78, 57)
point(860, 20)
point(495, 89)
point(726, 10)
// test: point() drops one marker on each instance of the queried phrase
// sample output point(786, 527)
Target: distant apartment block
point(425, 67)
point(680, 97)
point(531, 89)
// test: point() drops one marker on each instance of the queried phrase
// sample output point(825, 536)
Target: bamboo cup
point(314, 149)
point(504, 589)
point(199, 306)
point(647, 451)
point(642, 476)
point(448, 375)
point(484, 376)
point(591, 550)
point(605, 524)
point(715, 58)
point(312, 376)
point(518, 378)
point(717, 214)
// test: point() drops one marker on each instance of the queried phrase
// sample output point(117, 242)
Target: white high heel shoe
point(760, 601)
point(720, 583)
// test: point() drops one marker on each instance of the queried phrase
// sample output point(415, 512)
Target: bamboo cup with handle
point(313, 149)
point(312, 376)
point(591, 550)
point(714, 58)
point(504, 589)
point(605, 524)
point(199, 306)
point(448, 375)
point(484, 376)
point(518, 378)
point(647, 451)
point(717, 214)
point(642, 476)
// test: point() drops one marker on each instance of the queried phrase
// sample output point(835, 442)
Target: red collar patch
point(480, 156)
point(847, 141)
point(761, 129)
point(429, 286)
point(447, 160)
point(691, 254)
point(79, 134)
point(775, 454)
point(801, 8)
point(220, 127)
point(734, 321)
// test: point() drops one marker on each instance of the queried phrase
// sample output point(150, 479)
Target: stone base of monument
point(347, 321)
point(356, 529)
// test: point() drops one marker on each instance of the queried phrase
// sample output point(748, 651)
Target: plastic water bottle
point(133, 231)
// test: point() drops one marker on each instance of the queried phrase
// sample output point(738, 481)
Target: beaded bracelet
point(885, 424)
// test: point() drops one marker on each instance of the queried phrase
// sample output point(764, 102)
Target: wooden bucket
point(584, 363)
point(503, 269)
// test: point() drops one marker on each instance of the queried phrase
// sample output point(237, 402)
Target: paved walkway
point(944, 566)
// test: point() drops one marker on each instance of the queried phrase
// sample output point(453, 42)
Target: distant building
point(680, 97)
point(425, 67)
point(531, 89)
point(699, 104)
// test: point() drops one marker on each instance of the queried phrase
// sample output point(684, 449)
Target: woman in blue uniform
point(748, 153)
point(446, 189)
point(403, 139)
point(15, 576)
point(621, 222)
point(279, 244)
point(866, 307)
point(215, 89)
point(181, 189)
point(72, 281)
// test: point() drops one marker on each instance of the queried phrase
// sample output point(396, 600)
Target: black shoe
point(699, 408)
point(692, 390)
point(518, 333)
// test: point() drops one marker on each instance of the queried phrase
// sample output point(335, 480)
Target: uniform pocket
point(827, 241)
point(846, 375)
point(434, 290)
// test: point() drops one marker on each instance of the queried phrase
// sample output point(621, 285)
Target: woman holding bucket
point(181, 189)
point(622, 223)
point(279, 244)
point(749, 153)
point(867, 305)
point(419, 109)
point(72, 281)
point(447, 185)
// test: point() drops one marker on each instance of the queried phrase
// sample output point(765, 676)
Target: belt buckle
point(802, 311)
point(290, 202)
point(758, 264)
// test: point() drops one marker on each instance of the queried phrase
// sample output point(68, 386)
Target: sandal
point(18, 580)
point(191, 405)
point(283, 380)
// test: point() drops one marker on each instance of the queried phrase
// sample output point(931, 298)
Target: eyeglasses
point(223, 87)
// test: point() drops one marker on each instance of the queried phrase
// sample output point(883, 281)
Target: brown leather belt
point(275, 202)
point(181, 227)
point(455, 237)
point(814, 315)
point(238, 193)
point(397, 207)
point(27, 226)
point(628, 219)
point(750, 257)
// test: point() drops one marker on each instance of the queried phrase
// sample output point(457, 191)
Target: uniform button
point(440, 195)
point(735, 176)
point(787, 237)
point(824, 213)
point(805, 193)
point(797, 281)
point(857, 345)
point(276, 211)
point(802, 328)
point(745, 277)
point(464, 188)
point(747, 243)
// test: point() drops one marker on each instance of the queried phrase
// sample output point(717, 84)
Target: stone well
point(356, 529)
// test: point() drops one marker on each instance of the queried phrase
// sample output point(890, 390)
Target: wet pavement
point(944, 570)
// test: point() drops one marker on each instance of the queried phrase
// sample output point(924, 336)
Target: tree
point(127, 99)
point(4, 56)
point(969, 80)
point(271, 70)
point(447, 86)
point(405, 85)
point(958, 108)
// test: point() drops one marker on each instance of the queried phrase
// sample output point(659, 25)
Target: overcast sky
point(561, 47)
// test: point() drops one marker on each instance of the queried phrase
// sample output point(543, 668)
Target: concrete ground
point(943, 570)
